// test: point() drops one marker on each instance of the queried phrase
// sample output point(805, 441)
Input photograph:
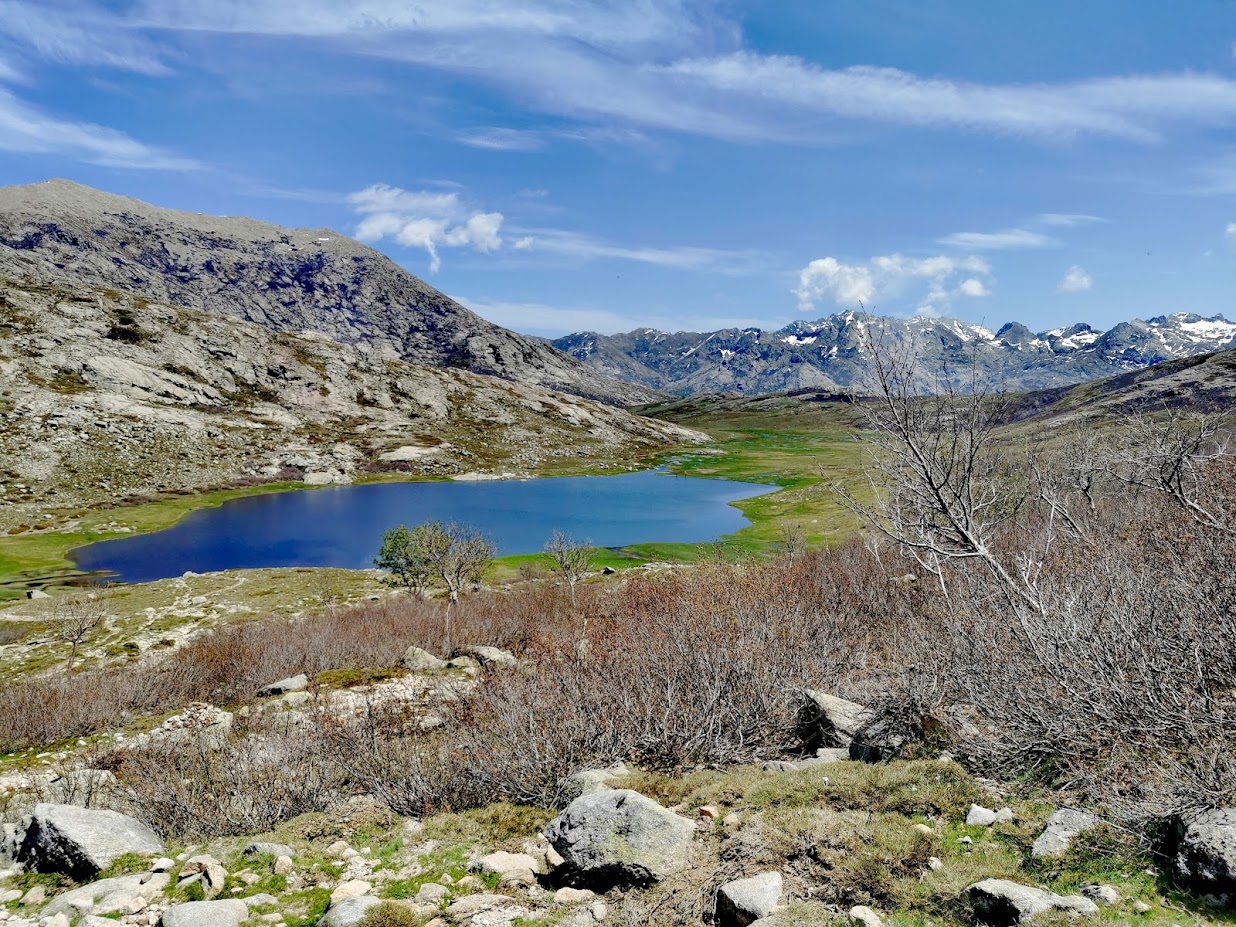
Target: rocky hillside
point(286, 280)
point(829, 353)
point(104, 396)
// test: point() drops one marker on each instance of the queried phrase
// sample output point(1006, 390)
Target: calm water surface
point(342, 526)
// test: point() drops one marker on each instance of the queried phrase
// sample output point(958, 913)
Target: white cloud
point(424, 219)
point(889, 276)
point(682, 257)
point(675, 65)
point(1077, 280)
point(1067, 219)
point(1006, 240)
point(29, 130)
point(499, 139)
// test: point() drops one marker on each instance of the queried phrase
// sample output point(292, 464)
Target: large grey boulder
point(1062, 828)
point(1001, 903)
point(229, 912)
point(744, 901)
point(349, 912)
point(828, 721)
point(79, 842)
point(1206, 854)
point(121, 895)
point(619, 837)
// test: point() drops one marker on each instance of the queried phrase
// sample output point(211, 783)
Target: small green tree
point(572, 559)
point(455, 554)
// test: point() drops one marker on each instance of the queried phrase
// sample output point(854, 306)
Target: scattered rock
point(1062, 827)
point(284, 865)
point(208, 871)
point(80, 842)
point(1001, 903)
point(877, 742)
point(351, 889)
point(1005, 816)
point(619, 837)
point(432, 893)
point(471, 905)
point(1101, 894)
point(1140, 907)
point(36, 594)
point(227, 913)
point(978, 816)
point(416, 659)
point(828, 721)
point(744, 901)
point(349, 912)
point(121, 895)
point(865, 917)
point(934, 863)
point(298, 683)
point(509, 867)
point(1206, 853)
point(573, 895)
point(922, 829)
point(276, 850)
point(599, 910)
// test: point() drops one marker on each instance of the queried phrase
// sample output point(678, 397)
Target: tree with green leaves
point(451, 553)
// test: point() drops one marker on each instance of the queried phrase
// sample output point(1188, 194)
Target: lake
point(342, 526)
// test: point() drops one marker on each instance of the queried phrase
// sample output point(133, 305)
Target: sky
point(567, 165)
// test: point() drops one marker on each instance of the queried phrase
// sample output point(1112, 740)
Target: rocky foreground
point(817, 839)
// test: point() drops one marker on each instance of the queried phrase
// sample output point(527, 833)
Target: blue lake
point(342, 526)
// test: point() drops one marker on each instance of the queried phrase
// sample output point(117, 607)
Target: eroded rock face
point(1206, 854)
point(1002, 903)
point(79, 842)
point(619, 837)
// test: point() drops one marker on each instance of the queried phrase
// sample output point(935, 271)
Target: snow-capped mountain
point(829, 353)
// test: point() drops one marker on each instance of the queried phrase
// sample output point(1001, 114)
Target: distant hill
point(286, 280)
point(828, 353)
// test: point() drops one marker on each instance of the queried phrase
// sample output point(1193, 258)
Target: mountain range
point(832, 353)
point(287, 280)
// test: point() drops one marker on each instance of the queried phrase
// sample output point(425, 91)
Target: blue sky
point(560, 165)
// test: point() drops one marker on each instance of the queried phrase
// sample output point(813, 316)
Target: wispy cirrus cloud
point(1067, 219)
point(1005, 240)
point(682, 257)
point(932, 282)
point(670, 65)
point(29, 129)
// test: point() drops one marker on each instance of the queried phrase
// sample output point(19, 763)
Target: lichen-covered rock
point(828, 721)
point(1062, 827)
point(619, 837)
point(744, 901)
point(1002, 903)
point(80, 842)
point(1206, 854)
point(229, 912)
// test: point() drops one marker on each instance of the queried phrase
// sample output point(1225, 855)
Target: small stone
point(967, 841)
point(1140, 907)
point(598, 910)
point(733, 819)
point(573, 895)
point(338, 848)
point(934, 863)
point(1101, 894)
point(978, 816)
point(744, 901)
point(432, 893)
point(163, 864)
point(865, 917)
point(34, 897)
point(923, 829)
point(283, 865)
point(779, 766)
point(353, 889)
point(709, 812)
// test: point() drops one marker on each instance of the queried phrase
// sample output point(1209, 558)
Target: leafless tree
point(571, 559)
point(77, 617)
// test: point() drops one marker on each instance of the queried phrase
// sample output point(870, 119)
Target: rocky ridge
point(105, 396)
point(830, 354)
point(286, 280)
